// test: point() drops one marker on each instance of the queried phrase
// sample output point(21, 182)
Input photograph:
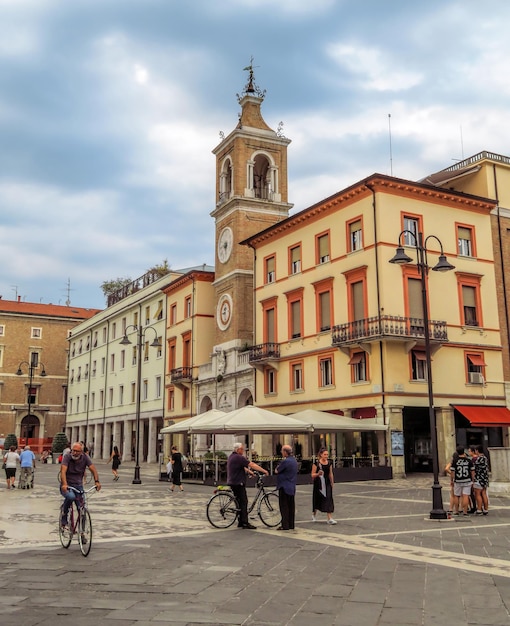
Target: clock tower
point(251, 195)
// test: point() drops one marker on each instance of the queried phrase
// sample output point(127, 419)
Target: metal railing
point(264, 352)
point(387, 326)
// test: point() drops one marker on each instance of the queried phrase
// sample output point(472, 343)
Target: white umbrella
point(251, 419)
point(330, 422)
point(183, 426)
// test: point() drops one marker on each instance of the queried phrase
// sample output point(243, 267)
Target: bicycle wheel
point(64, 532)
point(269, 509)
point(84, 529)
point(222, 510)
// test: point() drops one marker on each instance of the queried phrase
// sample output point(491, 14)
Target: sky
point(110, 110)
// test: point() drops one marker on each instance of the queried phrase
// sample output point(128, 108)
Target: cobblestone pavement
point(155, 559)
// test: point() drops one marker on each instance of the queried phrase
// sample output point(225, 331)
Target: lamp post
point(32, 366)
point(140, 334)
point(401, 258)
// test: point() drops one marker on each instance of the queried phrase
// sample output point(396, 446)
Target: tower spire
point(251, 88)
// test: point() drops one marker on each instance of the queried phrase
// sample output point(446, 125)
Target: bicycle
point(223, 509)
point(79, 522)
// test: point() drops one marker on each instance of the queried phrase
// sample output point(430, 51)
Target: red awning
point(485, 415)
point(476, 359)
point(356, 358)
point(420, 356)
point(364, 413)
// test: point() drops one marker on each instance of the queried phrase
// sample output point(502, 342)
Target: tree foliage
point(10, 440)
point(111, 286)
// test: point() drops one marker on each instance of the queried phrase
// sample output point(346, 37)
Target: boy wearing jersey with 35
point(462, 471)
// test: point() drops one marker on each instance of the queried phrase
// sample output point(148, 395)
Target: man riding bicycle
point(72, 471)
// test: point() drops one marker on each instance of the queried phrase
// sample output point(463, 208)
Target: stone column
point(106, 440)
point(153, 436)
point(446, 442)
point(126, 444)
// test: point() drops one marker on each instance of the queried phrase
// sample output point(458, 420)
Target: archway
point(30, 427)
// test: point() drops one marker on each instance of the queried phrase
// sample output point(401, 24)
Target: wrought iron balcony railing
point(387, 327)
point(264, 352)
point(181, 375)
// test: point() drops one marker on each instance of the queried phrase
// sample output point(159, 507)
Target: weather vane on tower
point(251, 88)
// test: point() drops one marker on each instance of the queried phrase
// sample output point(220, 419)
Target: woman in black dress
point(322, 476)
point(176, 469)
point(115, 459)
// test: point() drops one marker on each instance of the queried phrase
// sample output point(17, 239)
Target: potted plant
point(59, 444)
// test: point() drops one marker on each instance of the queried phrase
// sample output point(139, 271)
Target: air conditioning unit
point(476, 378)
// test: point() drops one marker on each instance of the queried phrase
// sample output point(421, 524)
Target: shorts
point(477, 485)
point(10, 472)
point(462, 489)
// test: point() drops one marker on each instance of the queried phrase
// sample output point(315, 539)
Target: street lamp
point(140, 334)
point(32, 366)
point(401, 258)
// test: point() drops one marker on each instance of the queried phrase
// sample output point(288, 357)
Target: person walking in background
point(115, 459)
point(176, 461)
point(286, 478)
point(463, 472)
point(169, 469)
point(481, 482)
point(323, 481)
point(11, 459)
point(27, 466)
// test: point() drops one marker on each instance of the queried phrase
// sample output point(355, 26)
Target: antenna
point(68, 291)
point(15, 289)
point(461, 143)
point(391, 153)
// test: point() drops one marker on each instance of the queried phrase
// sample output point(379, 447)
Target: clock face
point(224, 311)
point(225, 241)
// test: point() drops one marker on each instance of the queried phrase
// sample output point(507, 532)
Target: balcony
point(264, 352)
point(181, 375)
point(387, 327)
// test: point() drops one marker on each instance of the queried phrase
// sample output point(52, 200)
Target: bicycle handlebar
point(94, 488)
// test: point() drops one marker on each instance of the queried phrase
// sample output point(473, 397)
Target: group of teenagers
point(239, 467)
point(469, 481)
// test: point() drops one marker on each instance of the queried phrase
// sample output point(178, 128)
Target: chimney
point(19, 298)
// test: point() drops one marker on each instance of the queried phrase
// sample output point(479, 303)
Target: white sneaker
point(314, 519)
point(332, 521)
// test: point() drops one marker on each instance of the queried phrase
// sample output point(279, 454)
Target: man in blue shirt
point(27, 464)
point(286, 478)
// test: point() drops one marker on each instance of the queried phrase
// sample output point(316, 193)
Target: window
point(124, 325)
point(269, 381)
point(36, 333)
point(92, 401)
point(418, 365)
point(114, 330)
point(86, 375)
point(185, 398)
point(146, 351)
point(135, 318)
point(77, 402)
point(32, 395)
point(87, 345)
point(80, 346)
point(171, 399)
point(122, 359)
point(145, 390)
point(1, 356)
point(94, 367)
point(85, 401)
point(94, 343)
point(475, 367)
point(133, 392)
point(103, 365)
point(78, 377)
point(147, 315)
point(295, 260)
point(296, 373)
point(411, 223)
point(110, 396)
point(269, 330)
point(71, 379)
point(270, 272)
point(322, 248)
point(357, 299)
point(101, 399)
point(121, 394)
point(34, 359)
point(104, 335)
point(158, 386)
point(112, 362)
point(133, 356)
point(73, 349)
point(358, 363)
point(469, 306)
point(173, 314)
point(186, 350)
point(326, 372)
point(159, 311)
point(324, 304)
point(415, 306)
point(295, 312)
point(2, 330)
point(187, 307)
point(465, 239)
point(355, 234)
point(159, 349)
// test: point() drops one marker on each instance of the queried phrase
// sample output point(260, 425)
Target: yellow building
point(190, 339)
point(339, 328)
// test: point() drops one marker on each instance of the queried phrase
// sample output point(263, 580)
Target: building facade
point(340, 328)
point(114, 357)
point(33, 366)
